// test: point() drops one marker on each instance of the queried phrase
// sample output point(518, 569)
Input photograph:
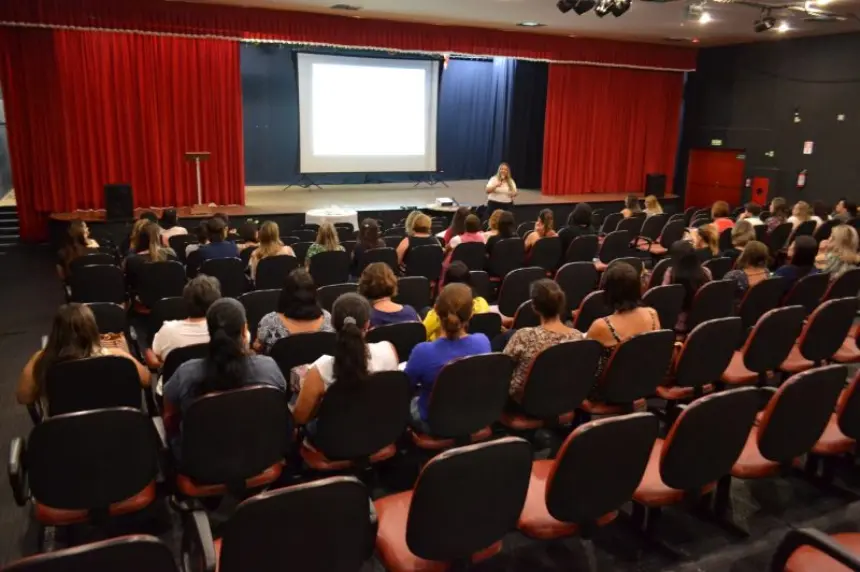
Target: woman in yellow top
point(457, 273)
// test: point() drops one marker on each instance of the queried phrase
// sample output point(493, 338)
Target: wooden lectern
point(198, 156)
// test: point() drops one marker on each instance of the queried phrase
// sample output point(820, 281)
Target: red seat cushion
point(597, 408)
point(737, 372)
point(809, 559)
point(848, 353)
point(795, 362)
point(189, 488)
point(392, 514)
point(652, 491)
point(59, 516)
point(751, 464)
point(318, 461)
point(432, 443)
point(833, 441)
point(523, 422)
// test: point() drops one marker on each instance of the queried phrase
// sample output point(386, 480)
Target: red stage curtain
point(606, 128)
point(85, 109)
point(195, 18)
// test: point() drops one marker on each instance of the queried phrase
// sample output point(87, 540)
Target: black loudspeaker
point(119, 202)
point(655, 184)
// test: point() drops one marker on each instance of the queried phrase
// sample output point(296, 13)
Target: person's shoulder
point(190, 369)
point(264, 362)
point(480, 342)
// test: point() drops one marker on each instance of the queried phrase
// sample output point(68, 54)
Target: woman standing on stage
point(501, 189)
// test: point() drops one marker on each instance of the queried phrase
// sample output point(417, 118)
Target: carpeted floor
point(29, 293)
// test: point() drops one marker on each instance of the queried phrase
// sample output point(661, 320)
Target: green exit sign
point(716, 142)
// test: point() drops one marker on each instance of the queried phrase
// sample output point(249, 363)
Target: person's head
point(686, 270)
point(149, 216)
point(803, 251)
point(458, 223)
point(840, 207)
point(327, 236)
point(720, 209)
point(79, 232)
point(755, 256)
point(298, 299)
point(248, 232)
point(410, 221)
point(138, 226)
point(149, 241)
point(169, 219)
point(200, 294)
point(631, 203)
point(377, 281)
point(422, 224)
point(224, 217)
point(504, 171)
point(472, 224)
point(458, 273)
point(581, 215)
point(622, 288)
point(350, 317)
point(225, 366)
point(74, 335)
point(547, 299)
point(753, 209)
point(454, 308)
point(368, 234)
point(779, 208)
point(216, 229)
point(202, 232)
point(802, 211)
point(270, 234)
point(821, 210)
point(843, 240)
point(507, 225)
point(652, 205)
point(706, 237)
point(493, 222)
point(545, 222)
point(742, 234)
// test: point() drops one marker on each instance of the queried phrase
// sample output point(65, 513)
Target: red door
point(714, 175)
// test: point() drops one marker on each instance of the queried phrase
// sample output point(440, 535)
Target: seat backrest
point(392, 241)
point(344, 233)
point(771, 339)
point(480, 281)
point(349, 246)
point(807, 291)
point(333, 536)
point(725, 240)
point(610, 223)
point(707, 352)
point(846, 285)
point(637, 366)
point(826, 329)
point(92, 383)
point(90, 260)
point(326, 295)
point(305, 234)
point(515, 288)
point(599, 466)
point(164, 309)
point(489, 324)
point(848, 410)
point(615, 245)
point(332, 267)
point(110, 318)
point(778, 237)
point(760, 232)
point(632, 225)
point(582, 249)
point(719, 266)
point(688, 214)
point(386, 255)
point(524, 228)
point(806, 228)
point(671, 233)
point(525, 316)
point(245, 255)
point(762, 297)
point(180, 242)
point(160, 280)
point(658, 272)
point(472, 254)
point(138, 553)
point(469, 394)
point(414, 291)
point(825, 229)
point(379, 406)
point(653, 225)
point(426, 261)
point(507, 255)
point(98, 283)
point(576, 279)
point(272, 271)
point(634, 261)
point(467, 499)
point(179, 356)
point(230, 273)
point(796, 416)
point(399, 231)
point(668, 301)
point(593, 307)
point(707, 438)
point(552, 387)
point(92, 459)
point(301, 250)
point(546, 253)
point(403, 336)
point(257, 304)
point(301, 349)
point(231, 436)
point(714, 299)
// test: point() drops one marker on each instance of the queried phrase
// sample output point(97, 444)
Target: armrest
point(17, 472)
point(198, 547)
point(158, 424)
point(797, 538)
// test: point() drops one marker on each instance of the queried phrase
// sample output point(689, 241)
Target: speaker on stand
point(119, 202)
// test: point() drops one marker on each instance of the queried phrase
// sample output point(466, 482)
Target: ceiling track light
point(603, 8)
point(765, 23)
point(583, 6)
point(565, 6)
point(619, 7)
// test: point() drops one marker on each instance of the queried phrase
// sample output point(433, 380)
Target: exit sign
point(716, 142)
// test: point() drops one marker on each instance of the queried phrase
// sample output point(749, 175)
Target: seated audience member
point(578, 224)
point(493, 224)
point(149, 249)
point(706, 242)
point(219, 246)
point(750, 269)
point(652, 206)
point(354, 359)
point(326, 241)
point(845, 210)
point(409, 223)
point(751, 214)
point(368, 239)
point(78, 243)
point(686, 269)
point(801, 213)
point(623, 293)
point(270, 245)
point(248, 235)
point(379, 285)
point(74, 336)
point(471, 233)
point(549, 303)
point(202, 234)
point(199, 295)
point(231, 232)
point(742, 234)
point(544, 228)
point(801, 257)
point(420, 237)
point(720, 213)
point(821, 210)
point(507, 229)
point(458, 224)
point(631, 206)
point(298, 312)
point(838, 254)
point(170, 226)
point(454, 308)
point(136, 229)
point(458, 273)
point(779, 213)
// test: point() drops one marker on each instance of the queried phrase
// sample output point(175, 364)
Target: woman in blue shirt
point(379, 285)
point(801, 254)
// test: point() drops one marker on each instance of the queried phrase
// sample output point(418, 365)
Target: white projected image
point(368, 111)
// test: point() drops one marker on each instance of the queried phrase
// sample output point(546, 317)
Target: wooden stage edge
point(275, 200)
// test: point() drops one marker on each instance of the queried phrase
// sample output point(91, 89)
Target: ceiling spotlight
point(822, 2)
point(564, 6)
point(619, 7)
point(783, 27)
point(530, 24)
point(705, 18)
point(583, 6)
point(765, 23)
point(603, 8)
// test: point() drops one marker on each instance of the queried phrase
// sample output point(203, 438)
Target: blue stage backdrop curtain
point(524, 149)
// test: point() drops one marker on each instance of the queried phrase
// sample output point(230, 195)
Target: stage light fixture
point(565, 6)
point(602, 9)
point(583, 6)
point(619, 7)
point(765, 24)
point(705, 18)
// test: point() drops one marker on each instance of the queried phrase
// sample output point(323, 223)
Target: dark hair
point(581, 215)
point(458, 223)
point(454, 308)
point(547, 219)
point(350, 316)
point(686, 270)
point(753, 208)
point(74, 335)
point(215, 229)
point(298, 299)
point(720, 209)
point(507, 225)
point(377, 281)
point(225, 366)
point(458, 273)
point(168, 218)
point(473, 223)
point(248, 231)
point(622, 289)
point(632, 203)
point(200, 294)
point(224, 217)
point(805, 251)
point(850, 206)
point(202, 232)
point(755, 255)
point(148, 215)
point(368, 234)
point(820, 210)
point(547, 298)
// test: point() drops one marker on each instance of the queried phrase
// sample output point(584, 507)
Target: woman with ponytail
point(353, 360)
point(454, 309)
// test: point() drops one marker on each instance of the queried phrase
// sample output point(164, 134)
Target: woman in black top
point(578, 224)
point(368, 239)
point(420, 236)
point(507, 229)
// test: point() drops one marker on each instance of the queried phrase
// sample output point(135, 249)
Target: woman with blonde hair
point(501, 189)
point(270, 245)
point(420, 236)
point(652, 206)
point(410, 222)
point(326, 242)
point(801, 213)
point(838, 254)
point(148, 249)
point(742, 234)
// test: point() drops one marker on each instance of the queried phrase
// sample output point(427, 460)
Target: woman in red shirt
point(720, 215)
